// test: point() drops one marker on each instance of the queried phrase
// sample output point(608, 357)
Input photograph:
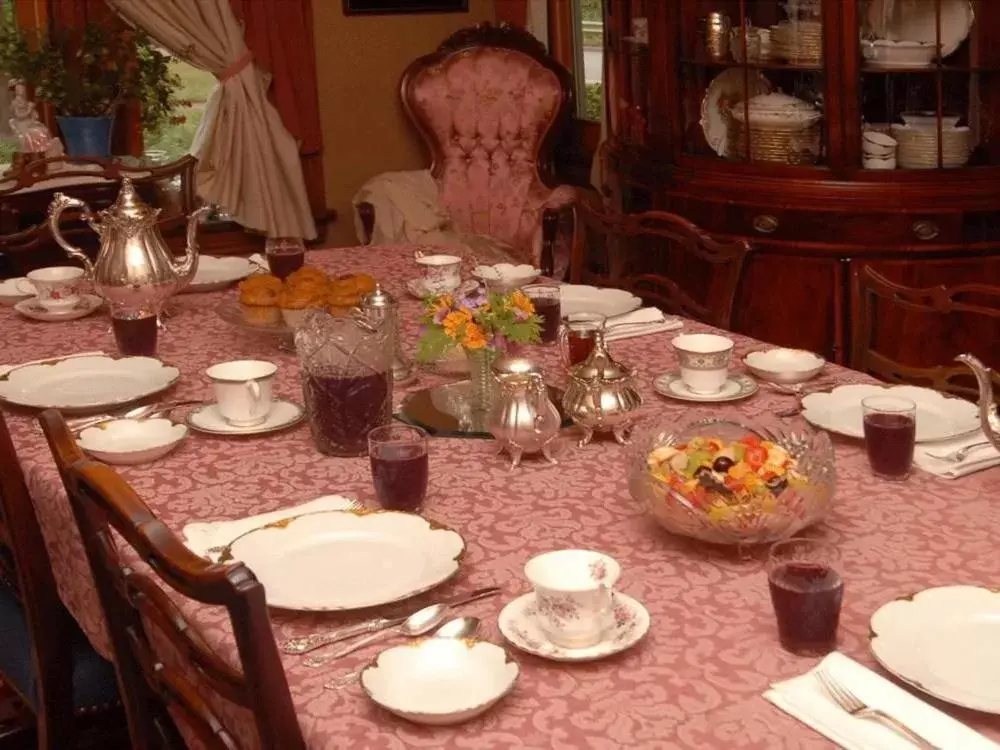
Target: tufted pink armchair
point(489, 104)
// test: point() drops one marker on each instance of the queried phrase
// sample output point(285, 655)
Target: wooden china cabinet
point(684, 136)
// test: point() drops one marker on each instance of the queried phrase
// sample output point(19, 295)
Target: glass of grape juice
point(890, 425)
point(546, 299)
point(806, 590)
point(398, 455)
point(136, 332)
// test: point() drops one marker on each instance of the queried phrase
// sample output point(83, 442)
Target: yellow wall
point(359, 60)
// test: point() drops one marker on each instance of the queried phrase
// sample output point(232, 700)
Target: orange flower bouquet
point(481, 324)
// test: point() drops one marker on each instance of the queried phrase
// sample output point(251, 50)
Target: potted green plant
point(86, 74)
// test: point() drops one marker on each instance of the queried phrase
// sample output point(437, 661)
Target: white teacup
point(442, 273)
point(574, 592)
point(55, 287)
point(704, 359)
point(878, 145)
point(243, 390)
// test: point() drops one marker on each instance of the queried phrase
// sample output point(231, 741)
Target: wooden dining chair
point(44, 656)
point(702, 275)
point(140, 614)
point(890, 317)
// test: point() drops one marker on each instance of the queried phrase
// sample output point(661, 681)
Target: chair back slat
point(135, 604)
point(48, 620)
point(630, 251)
point(879, 304)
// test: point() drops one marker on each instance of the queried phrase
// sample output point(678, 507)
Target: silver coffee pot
point(601, 395)
point(523, 419)
point(135, 269)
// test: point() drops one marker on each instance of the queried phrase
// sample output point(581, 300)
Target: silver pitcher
point(523, 419)
point(134, 270)
point(601, 395)
point(988, 416)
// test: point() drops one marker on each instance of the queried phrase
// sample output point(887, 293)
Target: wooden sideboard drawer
point(818, 226)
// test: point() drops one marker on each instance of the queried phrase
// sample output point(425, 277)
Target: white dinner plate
point(218, 273)
point(84, 384)
point(944, 641)
point(939, 417)
point(577, 298)
point(725, 90)
point(11, 290)
point(916, 21)
point(339, 560)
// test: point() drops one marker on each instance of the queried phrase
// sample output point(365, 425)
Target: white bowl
point(440, 681)
point(505, 277)
point(132, 441)
point(10, 294)
point(784, 365)
point(903, 54)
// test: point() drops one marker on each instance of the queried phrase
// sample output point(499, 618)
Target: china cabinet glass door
point(753, 80)
point(927, 86)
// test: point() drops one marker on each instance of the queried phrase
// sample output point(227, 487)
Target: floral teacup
point(574, 592)
point(442, 273)
point(55, 288)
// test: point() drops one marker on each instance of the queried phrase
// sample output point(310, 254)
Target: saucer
point(206, 418)
point(416, 288)
point(519, 626)
point(30, 308)
point(737, 387)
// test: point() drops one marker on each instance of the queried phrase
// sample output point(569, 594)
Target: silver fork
point(959, 455)
point(860, 710)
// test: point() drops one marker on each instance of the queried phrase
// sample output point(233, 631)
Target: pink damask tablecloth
point(694, 682)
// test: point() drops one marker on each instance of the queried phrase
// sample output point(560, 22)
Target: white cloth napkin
point(641, 322)
point(4, 369)
point(201, 537)
point(259, 259)
point(804, 698)
point(976, 460)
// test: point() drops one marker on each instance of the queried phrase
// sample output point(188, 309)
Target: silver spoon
point(460, 627)
point(420, 622)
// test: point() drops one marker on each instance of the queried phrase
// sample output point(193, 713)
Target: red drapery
point(74, 14)
point(280, 36)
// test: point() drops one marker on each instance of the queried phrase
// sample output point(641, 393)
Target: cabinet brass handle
point(926, 230)
point(765, 223)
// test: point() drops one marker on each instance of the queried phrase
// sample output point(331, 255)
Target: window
point(8, 143)
point(588, 24)
point(173, 139)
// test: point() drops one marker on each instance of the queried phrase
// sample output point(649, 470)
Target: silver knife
point(307, 643)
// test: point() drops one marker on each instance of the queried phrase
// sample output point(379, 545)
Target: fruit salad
point(722, 478)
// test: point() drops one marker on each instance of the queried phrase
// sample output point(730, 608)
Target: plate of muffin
point(269, 305)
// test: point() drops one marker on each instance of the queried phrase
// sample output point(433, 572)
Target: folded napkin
point(976, 460)
point(4, 369)
point(201, 537)
point(642, 322)
point(804, 698)
point(259, 260)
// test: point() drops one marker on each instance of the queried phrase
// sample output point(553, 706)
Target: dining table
point(695, 681)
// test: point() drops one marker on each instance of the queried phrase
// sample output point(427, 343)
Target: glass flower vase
point(482, 383)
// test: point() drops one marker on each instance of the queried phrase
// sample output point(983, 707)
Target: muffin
point(295, 302)
point(306, 275)
point(259, 299)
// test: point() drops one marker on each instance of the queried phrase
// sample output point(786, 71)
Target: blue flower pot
point(87, 136)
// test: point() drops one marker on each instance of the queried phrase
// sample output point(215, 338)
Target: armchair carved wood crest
point(489, 104)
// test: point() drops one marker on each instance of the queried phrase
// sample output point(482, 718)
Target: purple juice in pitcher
point(343, 409)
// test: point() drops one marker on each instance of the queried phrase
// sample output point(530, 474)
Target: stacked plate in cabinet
point(798, 42)
point(918, 146)
point(782, 129)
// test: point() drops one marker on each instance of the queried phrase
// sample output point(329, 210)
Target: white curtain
point(248, 161)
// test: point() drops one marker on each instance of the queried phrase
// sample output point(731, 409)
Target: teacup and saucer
point(244, 401)
point(442, 274)
point(574, 613)
point(53, 294)
point(703, 375)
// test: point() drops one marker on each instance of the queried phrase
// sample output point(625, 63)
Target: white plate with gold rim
point(726, 89)
point(580, 298)
point(331, 561)
point(944, 641)
point(85, 384)
point(939, 417)
point(916, 21)
point(218, 273)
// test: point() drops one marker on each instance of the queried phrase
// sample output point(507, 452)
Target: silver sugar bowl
point(522, 419)
point(601, 395)
point(381, 307)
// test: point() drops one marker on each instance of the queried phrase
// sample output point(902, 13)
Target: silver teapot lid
point(129, 208)
point(379, 297)
point(601, 366)
point(513, 365)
